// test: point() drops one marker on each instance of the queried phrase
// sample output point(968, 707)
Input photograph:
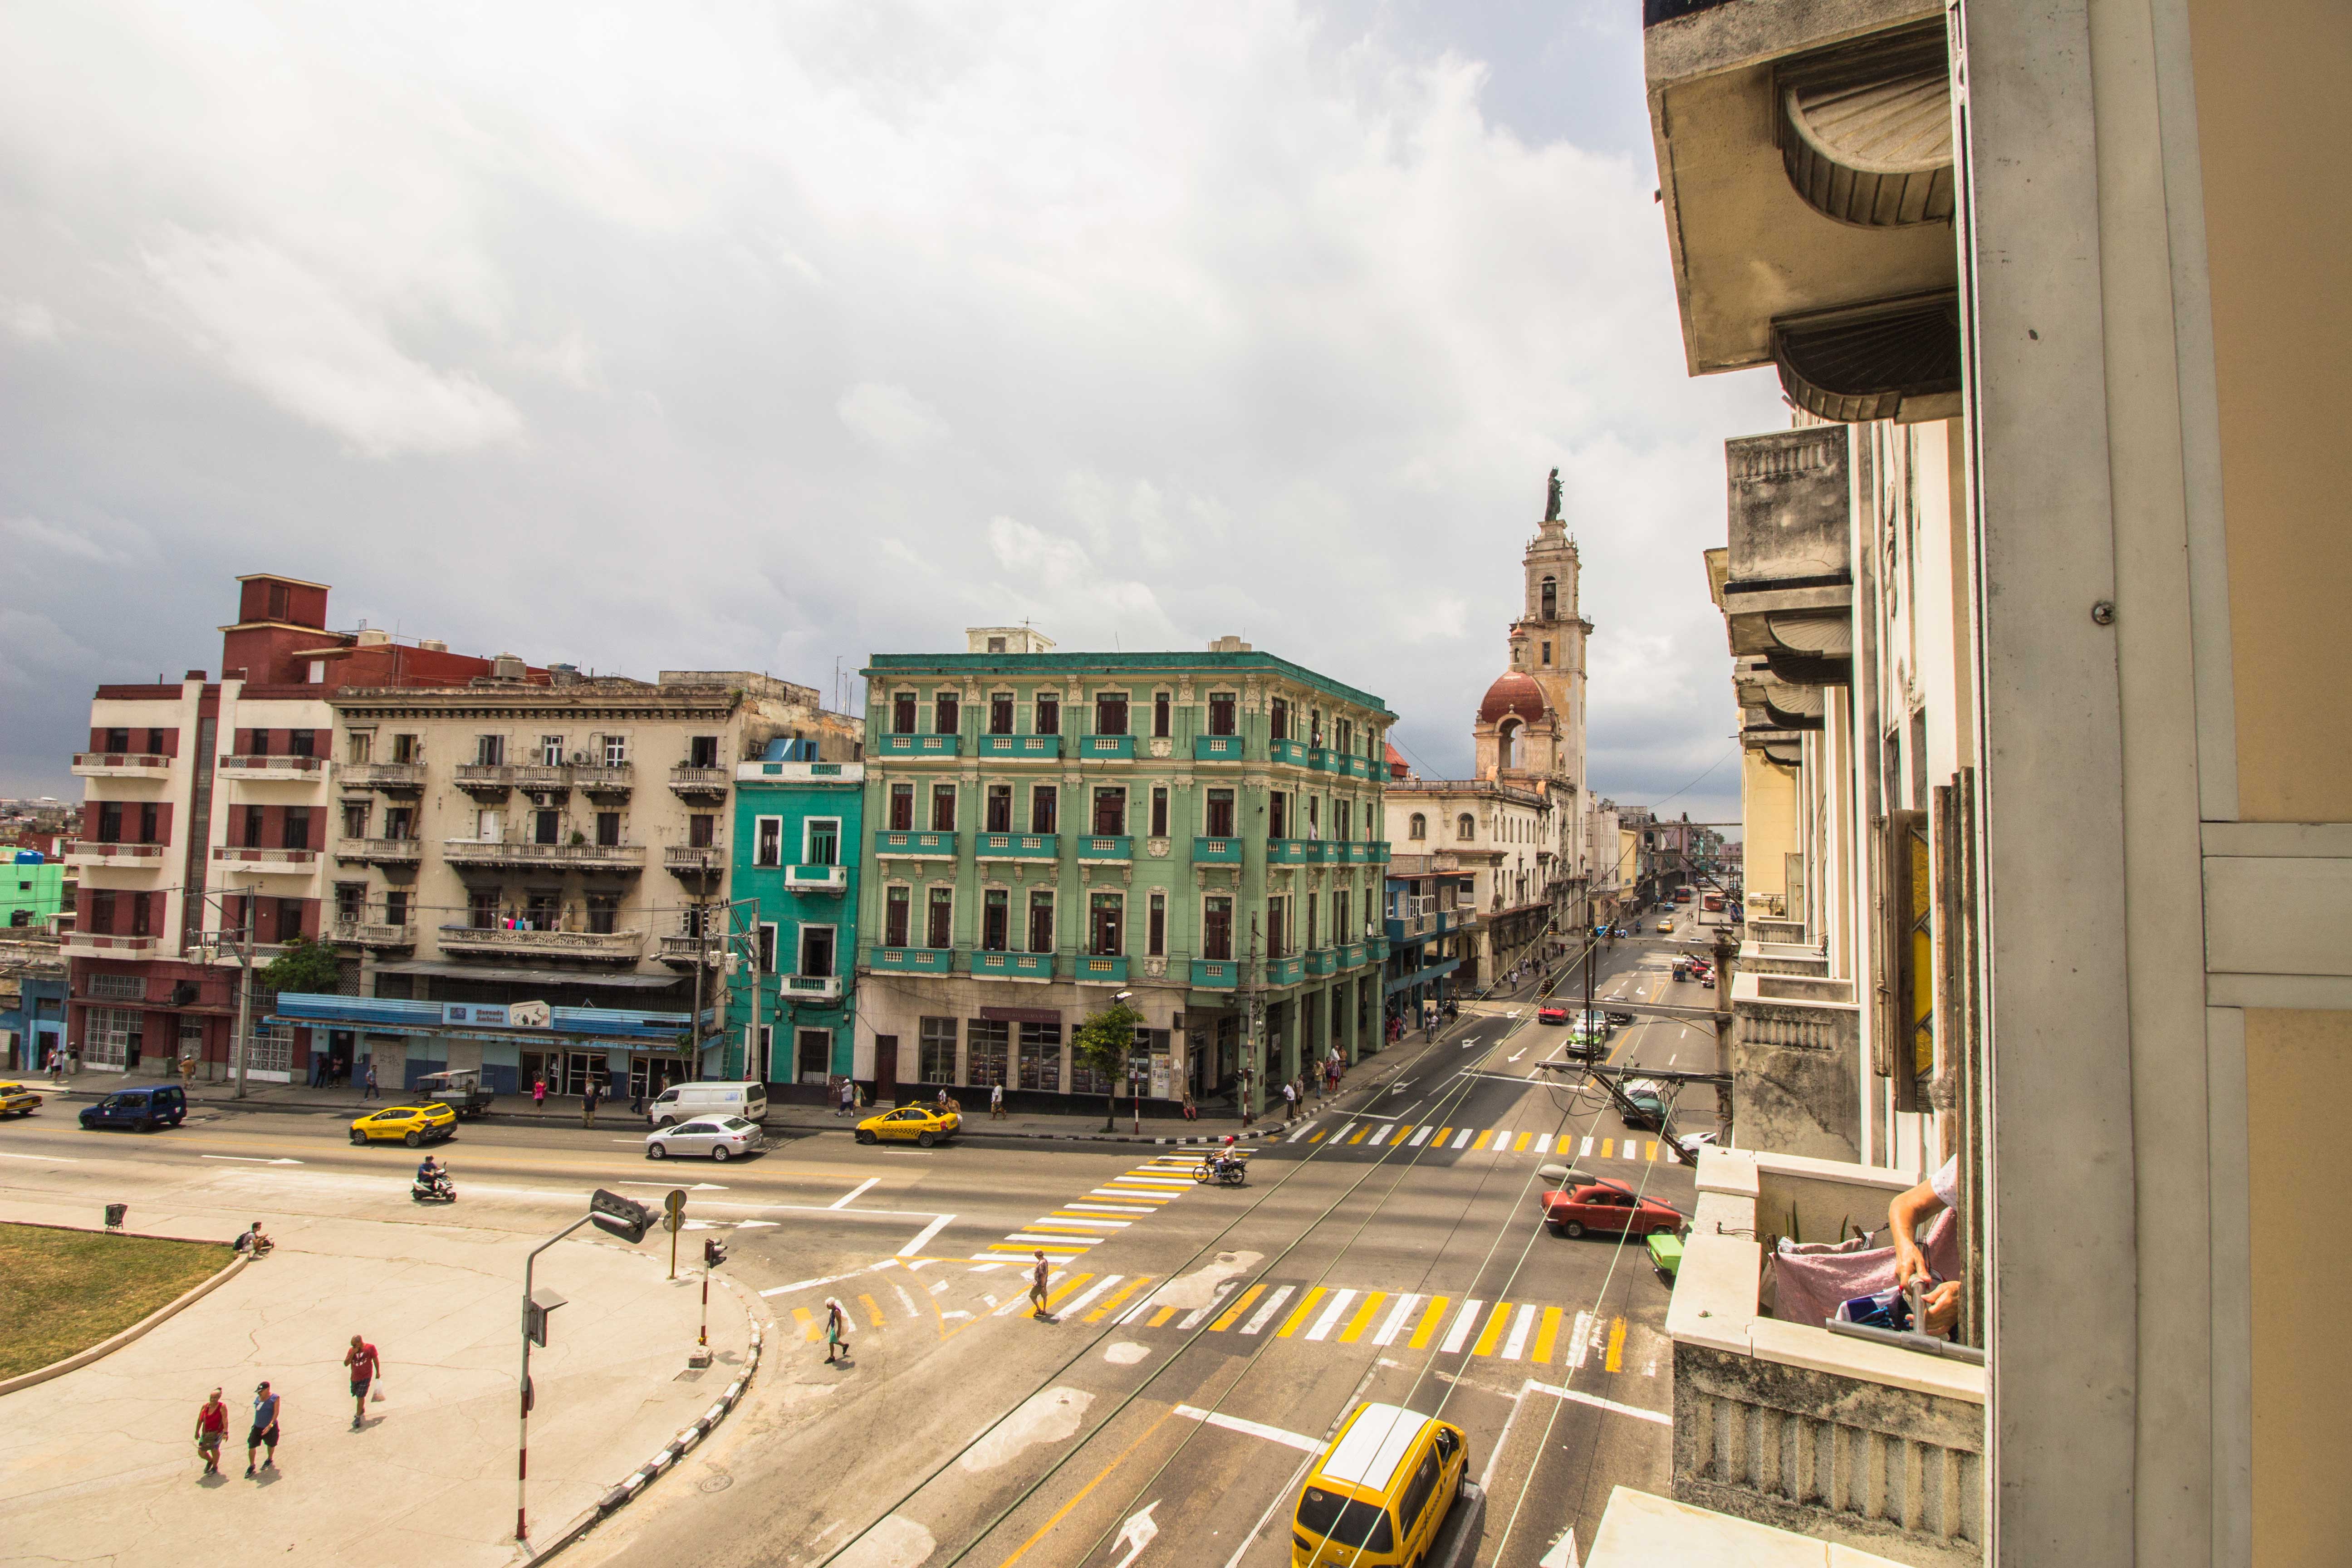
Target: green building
point(32, 891)
point(1050, 831)
point(798, 826)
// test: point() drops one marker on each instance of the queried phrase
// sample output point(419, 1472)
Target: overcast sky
point(772, 336)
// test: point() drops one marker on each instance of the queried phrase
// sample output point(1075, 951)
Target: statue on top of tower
point(1551, 497)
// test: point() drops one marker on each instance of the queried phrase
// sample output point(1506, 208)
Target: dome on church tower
point(1512, 693)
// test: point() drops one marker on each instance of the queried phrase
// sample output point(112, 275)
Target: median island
point(62, 1291)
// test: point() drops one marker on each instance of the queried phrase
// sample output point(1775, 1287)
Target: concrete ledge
point(1642, 1530)
point(108, 1346)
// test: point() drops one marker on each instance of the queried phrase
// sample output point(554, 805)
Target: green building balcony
point(1323, 760)
point(1291, 752)
point(1217, 851)
point(1106, 846)
point(1380, 852)
point(1107, 747)
point(914, 960)
point(1355, 767)
point(1021, 748)
point(1289, 851)
point(891, 843)
point(1017, 845)
point(1321, 961)
point(816, 878)
point(810, 987)
point(1012, 965)
point(1352, 955)
point(1331, 852)
point(1286, 970)
point(1218, 749)
point(1376, 950)
point(1359, 852)
point(918, 745)
point(1216, 973)
point(1101, 969)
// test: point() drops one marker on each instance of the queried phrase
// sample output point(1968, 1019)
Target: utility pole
point(1256, 1018)
point(244, 1041)
point(702, 962)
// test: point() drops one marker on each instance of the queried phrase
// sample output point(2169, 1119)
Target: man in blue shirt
point(265, 1428)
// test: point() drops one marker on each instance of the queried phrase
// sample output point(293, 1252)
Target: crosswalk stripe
point(1464, 1321)
point(1606, 1144)
point(1265, 1314)
point(1360, 1137)
point(1494, 1325)
point(1383, 1136)
point(1586, 1150)
point(1110, 1208)
point(1429, 1322)
point(1161, 1316)
point(1069, 1283)
point(1355, 1329)
point(1236, 1309)
point(1546, 1334)
point(1517, 1343)
point(1126, 1195)
point(1073, 1227)
point(1105, 1283)
point(1316, 1136)
point(1290, 1324)
point(1480, 1141)
point(1143, 1304)
point(1616, 1360)
point(1122, 1293)
point(1460, 1140)
point(1193, 1318)
point(1650, 1150)
point(1580, 1344)
point(1543, 1143)
point(1341, 1135)
point(808, 1324)
point(1064, 1216)
point(1323, 1324)
point(1442, 1133)
point(873, 1309)
point(1065, 1241)
point(1520, 1147)
point(1419, 1134)
point(1397, 1315)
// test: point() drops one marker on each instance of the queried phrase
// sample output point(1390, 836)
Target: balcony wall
point(1017, 845)
point(1786, 1424)
point(574, 856)
point(1020, 748)
point(401, 777)
point(1782, 958)
point(1796, 1064)
point(122, 765)
point(623, 946)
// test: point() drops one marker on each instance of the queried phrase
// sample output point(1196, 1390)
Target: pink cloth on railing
point(1809, 1279)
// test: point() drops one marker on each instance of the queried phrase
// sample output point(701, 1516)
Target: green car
point(1665, 1254)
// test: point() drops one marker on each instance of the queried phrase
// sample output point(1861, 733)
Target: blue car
point(141, 1110)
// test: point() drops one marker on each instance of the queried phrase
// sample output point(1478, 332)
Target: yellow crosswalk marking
point(1290, 1325)
point(1494, 1330)
point(1363, 1320)
point(1360, 1137)
point(1404, 1136)
point(1069, 1283)
point(1650, 1150)
point(1442, 1134)
point(1616, 1362)
point(1521, 1146)
point(1317, 1136)
point(1604, 1148)
point(872, 1310)
point(1233, 1313)
point(1160, 1317)
point(1547, 1331)
point(807, 1323)
point(1480, 1141)
point(1429, 1322)
point(1115, 1296)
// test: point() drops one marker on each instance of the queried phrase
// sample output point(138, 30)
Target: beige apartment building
point(559, 839)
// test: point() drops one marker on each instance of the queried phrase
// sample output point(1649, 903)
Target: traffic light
point(714, 1252)
point(617, 1216)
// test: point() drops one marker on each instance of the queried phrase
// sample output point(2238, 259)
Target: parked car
point(920, 1124)
point(1551, 1013)
point(141, 1110)
point(414, 1125)
point(16, 1100)
point(1606, 1211)
point(721, 1138)
point(681, 1102)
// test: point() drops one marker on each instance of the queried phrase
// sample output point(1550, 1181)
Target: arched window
point(1466, 826)
point(1514, 744)
point(1551, 598)
point(1418, 828)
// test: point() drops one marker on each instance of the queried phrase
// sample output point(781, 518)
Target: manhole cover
point(691, 1374)
point(716, 1483)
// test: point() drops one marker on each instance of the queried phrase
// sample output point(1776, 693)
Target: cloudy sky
point(769, 336)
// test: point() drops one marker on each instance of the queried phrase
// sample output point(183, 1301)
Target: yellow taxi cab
point(411, 1124)
point(1666, 927)
point(921, 1124)
point(16, 1100)
point(1378, 1493)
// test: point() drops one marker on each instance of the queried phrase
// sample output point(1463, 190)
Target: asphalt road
point(1205, 1339)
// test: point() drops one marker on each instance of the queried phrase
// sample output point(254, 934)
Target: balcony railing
point(700, 783)
point(1777, 958)
point(374, 933)
point(694, 859)
point(1216, 973)
point(1320, 960)
point(617, 945)
point(908, 845)
point(122, 765)
point(1322, 759)
point(1017, 845)
point(275, 862)
point(405, 778)
point(810, 987)
point(486, 779)
point(122, 857)
point(1021, 748)
point(1217, 851)
point(1289, 851)
point(1376, 950)
point(380, 851)
point(1351, 954)
point(1012, 965)
point(105, 944)
point(914, 960)
point(1106, 846)
point(1784, 934)
point(1101, 969)
point(1107, 747)
point(1380, 852)
point(682, 951)
point(918, 745)
point(295, 769)
point(541, 778)
point(1286, 970)
point(1291, 752)
point(1832, 1438)
point(1218, 749)
point(816, 878)
point(606, 779)
point(578, 857)
point(1796, 1050)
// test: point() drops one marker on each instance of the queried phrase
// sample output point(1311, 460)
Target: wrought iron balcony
point(380, 851)
point(690, 783)
point(474, 852)
point(397, 778)
point(1017, 845)
point(122, 765)
point(1226, 852)
point(622, 946)
point(990, 965)
point(1021, 748)
point(1101, 969)
point(900, 844)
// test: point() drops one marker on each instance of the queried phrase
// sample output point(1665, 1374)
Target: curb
point(108, 1346)
point(687, 1438)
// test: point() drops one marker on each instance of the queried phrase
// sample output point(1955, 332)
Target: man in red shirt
point(364, 1365)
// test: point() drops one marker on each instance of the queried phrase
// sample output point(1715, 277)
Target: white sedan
point(720, 1137)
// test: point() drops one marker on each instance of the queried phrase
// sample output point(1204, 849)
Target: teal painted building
point(799, 826)
point(32, 891)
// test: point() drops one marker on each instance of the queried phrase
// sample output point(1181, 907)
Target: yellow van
point(1378, 1493)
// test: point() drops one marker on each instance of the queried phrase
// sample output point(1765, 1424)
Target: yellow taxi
point(920, 1124)
point(1378, 1493)
point(16, 1100)
point(411, 1124)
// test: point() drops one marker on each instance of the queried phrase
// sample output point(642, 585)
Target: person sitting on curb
point(254, 1242)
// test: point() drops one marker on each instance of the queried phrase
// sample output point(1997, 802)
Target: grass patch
point(62, 1291)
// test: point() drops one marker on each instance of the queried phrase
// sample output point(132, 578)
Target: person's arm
point(1903, 1216)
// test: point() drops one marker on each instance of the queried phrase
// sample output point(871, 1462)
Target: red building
point(207, 809)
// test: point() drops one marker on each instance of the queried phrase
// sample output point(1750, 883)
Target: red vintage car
point(1607, 1211)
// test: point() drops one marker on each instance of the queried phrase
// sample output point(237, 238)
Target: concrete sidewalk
point(100, 1462)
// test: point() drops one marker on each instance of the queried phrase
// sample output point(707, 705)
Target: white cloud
point(29, 319)
point(890, 418)
point(37, 534)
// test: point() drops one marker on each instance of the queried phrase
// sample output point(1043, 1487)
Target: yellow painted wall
point(2298, 1080)
point(2273, 119)
point(1767, 819)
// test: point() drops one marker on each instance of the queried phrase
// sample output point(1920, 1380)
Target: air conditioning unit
point(579, 759)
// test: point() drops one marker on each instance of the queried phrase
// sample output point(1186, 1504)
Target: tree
point(1102, 1043)
point(304, 965)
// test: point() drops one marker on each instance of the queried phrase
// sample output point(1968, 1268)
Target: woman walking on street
point(212, 1430)
point(539, 1092)
point(365, 1365)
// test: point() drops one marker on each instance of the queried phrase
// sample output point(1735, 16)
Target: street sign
point(543, 1300)
point(616, 1215)
point(676, 1204)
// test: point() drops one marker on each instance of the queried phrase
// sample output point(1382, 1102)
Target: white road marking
point(1585, 1148)
point(1543, 1143)
point(1394, 1325)
point(1464, 1321)
point(1330, 1318)
point(1058, 1238)
point(1462, 1138)
point(1341, 1135)
point(855, 1192)
point(58, 1159)
point(1418, 1137)
point(697, 1187)
point(250, 1159)
point(1191, 1320)
point(1580, 1340)
point(925, 1234)
point(1297, 1440)
point(1259, 1319)
point(906, 1300)
point(1517, 1343)
point(824, 1279)
point(1111, 1208)
point(1382, 1138)
point(1070, 1309)
point(1660, 1416)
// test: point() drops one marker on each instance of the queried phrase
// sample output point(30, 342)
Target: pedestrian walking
point(996, 1102)
point(588, 1103)
point(1038, 1277)
point(265, 1428)
point(843, 1107)
point(836, 1330)
point(1191, 1113)
point(638, 1100)
point(539, 1092)
point(366, 1367)
point(371, 1091)
point(73, 1061)
point(57, 1064)
point(1289, 1102)
point(212, 1431)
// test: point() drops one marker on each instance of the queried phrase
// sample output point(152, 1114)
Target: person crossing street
point(212, 1430)
point(1038, 1278)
